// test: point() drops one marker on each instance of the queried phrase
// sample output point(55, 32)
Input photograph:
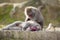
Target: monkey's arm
point(25, 25)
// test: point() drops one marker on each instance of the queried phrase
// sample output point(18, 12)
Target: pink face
point(30, 13)
point(33, 28)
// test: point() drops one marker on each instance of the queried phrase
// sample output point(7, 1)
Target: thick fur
point(37, 15)
point(22, 26)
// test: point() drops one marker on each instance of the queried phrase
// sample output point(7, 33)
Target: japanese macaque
point(23, 26)
point(32, 13)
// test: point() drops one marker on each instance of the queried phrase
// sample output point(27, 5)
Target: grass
point(5, 17)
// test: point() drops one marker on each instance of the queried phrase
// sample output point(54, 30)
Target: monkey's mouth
point(31, 15)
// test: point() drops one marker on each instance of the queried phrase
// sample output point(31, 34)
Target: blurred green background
point(50, 11)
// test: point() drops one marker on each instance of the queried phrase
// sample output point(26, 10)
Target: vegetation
point(4, 14)
point(50, 13)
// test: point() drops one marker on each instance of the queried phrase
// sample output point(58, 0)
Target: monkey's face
point(33, 28)
point(30, 12)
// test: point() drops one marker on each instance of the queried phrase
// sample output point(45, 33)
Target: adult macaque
point(30, 26)
point(23, 26)
point(32, 13)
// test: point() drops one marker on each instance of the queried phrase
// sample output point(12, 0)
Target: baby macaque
point(32, 13)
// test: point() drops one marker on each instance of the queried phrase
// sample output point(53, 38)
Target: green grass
point(5, 17)
point(4, 14)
